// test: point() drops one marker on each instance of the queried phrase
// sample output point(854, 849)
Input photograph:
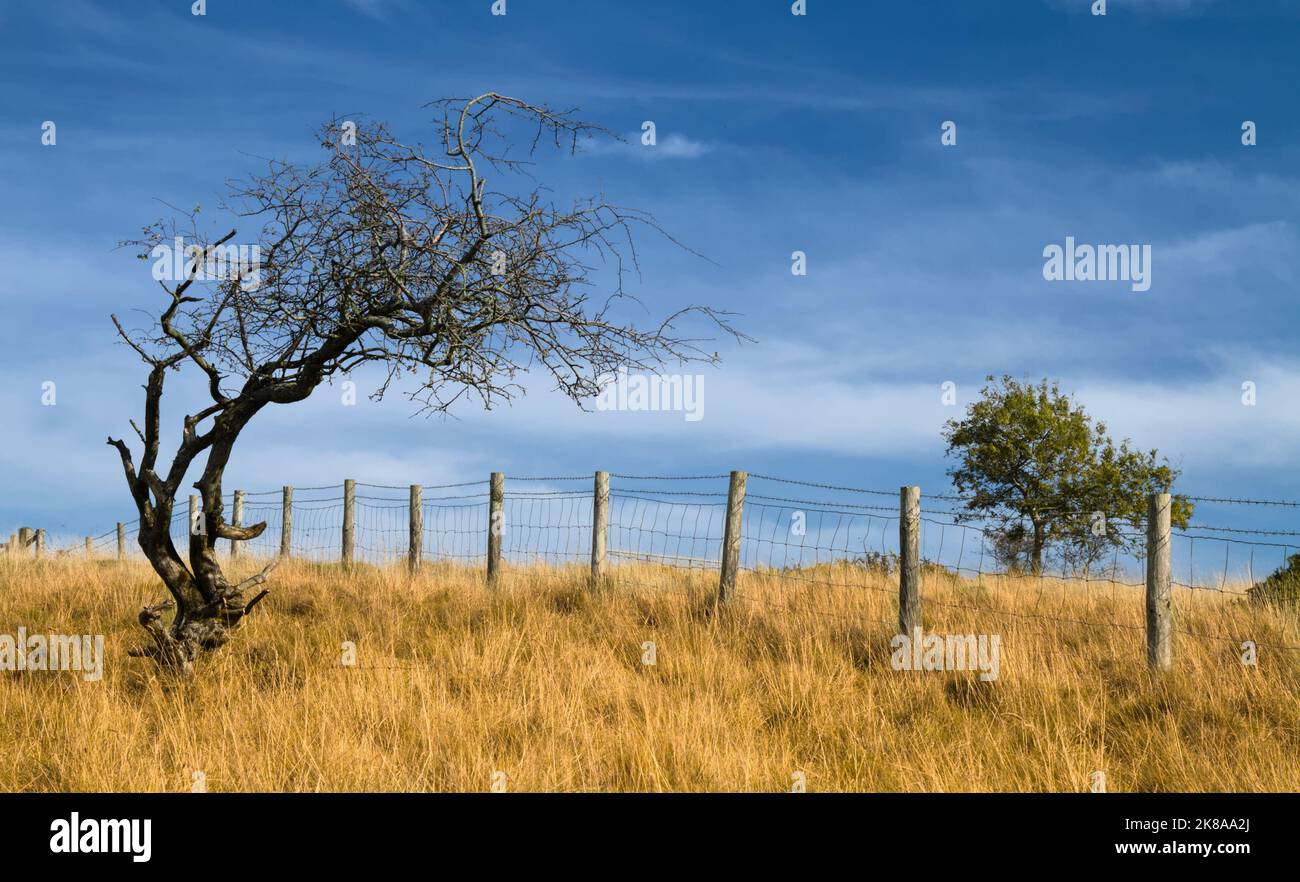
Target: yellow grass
point(545, 682)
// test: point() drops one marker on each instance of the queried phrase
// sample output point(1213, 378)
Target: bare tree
point(380, 253)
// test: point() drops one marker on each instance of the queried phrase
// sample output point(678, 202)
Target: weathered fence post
point(349, 519)
point(121, 541)
point(599, 524)
point(496, 524)
point(909, 565)
point(286, 522)
point(237, 519)
point(417, 528)
point(40, 544)
point(90, 546)
point(25, 538)
point(1160, 601)
point(731, 537)
point(197, 525)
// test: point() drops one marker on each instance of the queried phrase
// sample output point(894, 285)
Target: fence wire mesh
point(798, 536)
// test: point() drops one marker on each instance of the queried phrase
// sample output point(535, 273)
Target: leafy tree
point(1281, 588)
point(1050, 481)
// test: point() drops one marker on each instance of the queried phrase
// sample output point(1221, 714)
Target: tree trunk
point(207, 606)
point(1036, 552)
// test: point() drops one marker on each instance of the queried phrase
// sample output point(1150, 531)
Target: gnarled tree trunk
point(207, 606)
point(379, 255)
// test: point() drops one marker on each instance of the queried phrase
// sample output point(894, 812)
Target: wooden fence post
point(496, 524)
point(121, 541)
point(237, 519)
point(599, 524)
point(286, 522)
point(909, 568)
point(416, 552)
point(349, 519)
point(731, 537)
point(194, 516)
point(25, 538)
point(90, 546)
point(1160, 626)
point(40, 544)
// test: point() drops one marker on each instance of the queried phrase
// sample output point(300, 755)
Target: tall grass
point(541, 684)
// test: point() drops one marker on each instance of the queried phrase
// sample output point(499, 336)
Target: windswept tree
point(382, 253)
point(1049, 482)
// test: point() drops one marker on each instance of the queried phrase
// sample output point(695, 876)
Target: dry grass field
point(544, 680)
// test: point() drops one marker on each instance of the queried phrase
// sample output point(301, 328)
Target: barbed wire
point(550, 478)
point(1195, 526)
point(1230, 501)
point(424, 486)
point(669, 477)
point(822, 486)
point(686, 526)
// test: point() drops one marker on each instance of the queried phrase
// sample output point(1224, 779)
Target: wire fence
point(549, 519)
point(791, 532)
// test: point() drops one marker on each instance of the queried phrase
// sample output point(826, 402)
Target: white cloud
point(760, 403)
point(374, 8)
point(670, 146)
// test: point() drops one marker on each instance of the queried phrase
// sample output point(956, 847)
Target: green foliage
point(1050, 481)
point(1282, 588)
point(883, 562)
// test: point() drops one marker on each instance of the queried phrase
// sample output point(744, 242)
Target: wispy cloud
point(377, 9)
point(670, 146)
point(924, 261)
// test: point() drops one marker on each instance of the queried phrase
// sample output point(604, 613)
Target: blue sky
point(777, 133)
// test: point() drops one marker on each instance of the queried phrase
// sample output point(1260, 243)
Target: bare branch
point(383, 254)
